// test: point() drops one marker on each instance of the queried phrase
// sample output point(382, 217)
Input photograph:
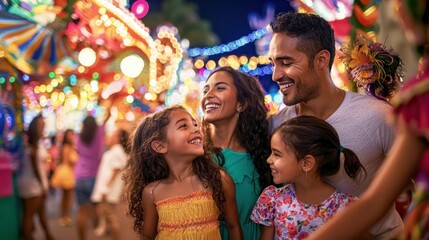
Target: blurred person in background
point(63, 176)
point(90, 148)
point(53, 158)
point(33, 180)
point(109, 184)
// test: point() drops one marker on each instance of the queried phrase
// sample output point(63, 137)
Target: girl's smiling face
point(183, 135)
point(284, 165)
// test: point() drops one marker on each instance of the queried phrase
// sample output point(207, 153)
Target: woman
point(33, 180)
point(90, 147)
point(236, 129)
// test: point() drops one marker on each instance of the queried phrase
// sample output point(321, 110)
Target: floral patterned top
point(292, 219)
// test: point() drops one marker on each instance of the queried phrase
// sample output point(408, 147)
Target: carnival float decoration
point(118, 48)
point(63, 58)
point(103, 50)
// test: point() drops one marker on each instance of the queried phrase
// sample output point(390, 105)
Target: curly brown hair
point(252, 128)
point(146, 166)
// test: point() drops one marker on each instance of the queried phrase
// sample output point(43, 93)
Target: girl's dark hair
point(65, 139)
point(89, 128)
point(33, 132)
point(252, 128)
point(146, 166)
point(308, 135)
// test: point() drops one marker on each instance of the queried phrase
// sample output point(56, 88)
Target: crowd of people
point(329, 165)
point(87, 167)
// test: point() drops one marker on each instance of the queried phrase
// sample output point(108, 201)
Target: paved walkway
point(70, 233)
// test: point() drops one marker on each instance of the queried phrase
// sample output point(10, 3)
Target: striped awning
point(32, 48)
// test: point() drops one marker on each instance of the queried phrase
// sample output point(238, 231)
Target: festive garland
point(228, 47)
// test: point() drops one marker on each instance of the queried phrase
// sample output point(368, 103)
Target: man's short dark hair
point(313, 32)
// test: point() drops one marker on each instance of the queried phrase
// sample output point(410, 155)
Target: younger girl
point(304, 150)
point(175, 189)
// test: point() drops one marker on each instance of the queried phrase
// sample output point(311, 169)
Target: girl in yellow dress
point(63, 176)
point(175, 189)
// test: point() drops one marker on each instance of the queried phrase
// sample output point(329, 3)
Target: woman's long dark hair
point(146, 166)
point(33, 132)
point(89, 128)
point(65, 139)
point(252, 128)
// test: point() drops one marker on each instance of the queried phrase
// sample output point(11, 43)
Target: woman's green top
point(240, 167)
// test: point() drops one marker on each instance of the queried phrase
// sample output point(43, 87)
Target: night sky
point(229, 20)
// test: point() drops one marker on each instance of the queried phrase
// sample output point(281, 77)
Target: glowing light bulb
point(87, 57)
point(132, 66)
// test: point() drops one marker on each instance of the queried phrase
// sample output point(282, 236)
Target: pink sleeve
point(264, 212)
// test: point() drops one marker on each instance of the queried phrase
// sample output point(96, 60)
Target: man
point(302, 51)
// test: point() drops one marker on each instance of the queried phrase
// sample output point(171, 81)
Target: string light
point(228, 47)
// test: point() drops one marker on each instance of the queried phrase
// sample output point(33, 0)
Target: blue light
point(73, 80)
point(228, 47)
point(267, 70)
point(25, 77)
point(232, 45)
point(278, 98)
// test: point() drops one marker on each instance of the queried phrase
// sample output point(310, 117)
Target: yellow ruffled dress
point(188, 217)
